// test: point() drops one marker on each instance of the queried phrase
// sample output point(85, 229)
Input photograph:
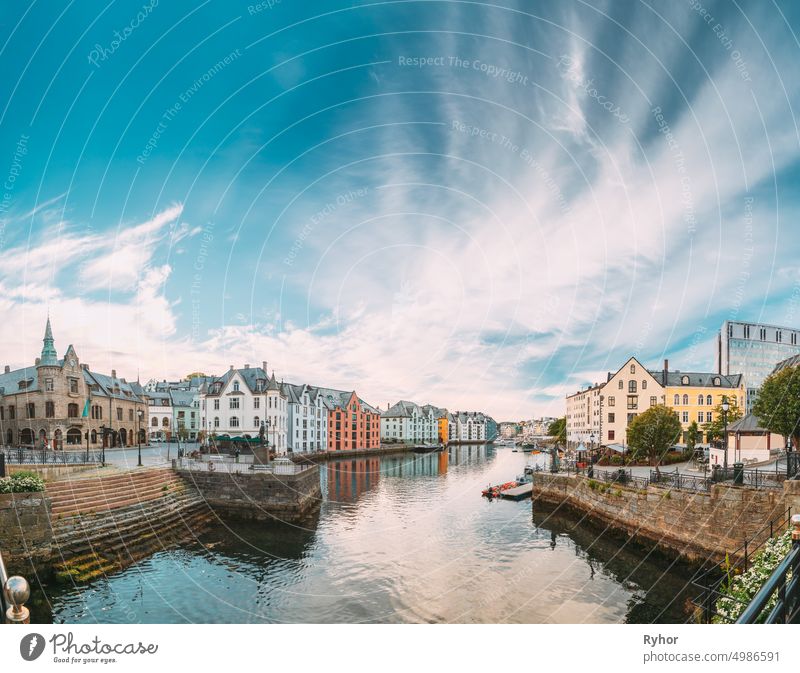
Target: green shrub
point(22, 482)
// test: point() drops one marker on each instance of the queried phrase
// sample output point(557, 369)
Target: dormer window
point(685, 380)
point(717, 381)
point(236, 386)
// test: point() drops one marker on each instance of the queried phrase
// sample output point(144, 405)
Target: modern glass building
point(753, 350)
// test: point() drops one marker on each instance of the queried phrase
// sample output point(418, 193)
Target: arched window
point(633, 369)
point(236, 386)
point(676, 400)
point(256, 422)
point(234, 421)
point(709, 400)
point(644, 385)
point(717, 381)
point(216, 421)
point(9, 437)
point(72, 410)
point(621, 384)
point(631, 386)
point(73, 436)
point(94, 436)
point(165, 422)
point(686, 399)
point(700, 399)
point(154, 422)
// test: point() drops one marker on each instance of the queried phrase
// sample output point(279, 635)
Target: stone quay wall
point(697, 526)
point(25, 533)
point(260, 495)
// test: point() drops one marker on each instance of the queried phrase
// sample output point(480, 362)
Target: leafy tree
point(716, 429)
point(195, 375)
point(558, 430)
point(653, 432)
point(777, 406)
point(693, 436)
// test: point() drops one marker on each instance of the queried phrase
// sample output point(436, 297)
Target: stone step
point(79, 524)
point(142, 487)
point(120, 498)
point(58, 488)
point(188, 518)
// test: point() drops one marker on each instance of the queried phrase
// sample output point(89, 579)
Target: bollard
point(18, 592)
point(2, 465)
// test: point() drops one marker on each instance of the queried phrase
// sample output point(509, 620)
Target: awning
point(581, 448)
point(618, 448)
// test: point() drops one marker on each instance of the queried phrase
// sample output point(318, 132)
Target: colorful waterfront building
point(352, 423)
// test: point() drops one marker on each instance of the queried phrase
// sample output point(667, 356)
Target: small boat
point(495, 491)
point(427, 448)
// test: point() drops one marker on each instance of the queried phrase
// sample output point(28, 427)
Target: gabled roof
point(698, 379)
point(9, 383)
point(747, 423)
point(792, 361)
point(643, 368)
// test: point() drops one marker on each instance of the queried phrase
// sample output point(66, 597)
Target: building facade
point(753, 350)
point(240, 402)
point(307, 417)
point(583, 417)
point(408, 422)
point(62, 403)
point(352, 423)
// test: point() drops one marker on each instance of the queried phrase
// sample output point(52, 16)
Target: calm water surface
point(398, 539)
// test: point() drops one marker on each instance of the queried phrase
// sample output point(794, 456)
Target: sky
point(483, 206)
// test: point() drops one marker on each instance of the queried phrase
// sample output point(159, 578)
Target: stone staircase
point(108, 520)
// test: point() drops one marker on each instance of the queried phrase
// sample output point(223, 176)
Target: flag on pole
point(85, 413)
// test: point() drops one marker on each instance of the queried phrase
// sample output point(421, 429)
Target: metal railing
point(710, 581)
point(14, 593)
point(44, 457)
point(679, 480)
point(784, 591)
point(232, 467)
point(621, 477)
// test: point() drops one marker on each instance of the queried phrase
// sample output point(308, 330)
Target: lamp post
point(139, 414)
point(725, 407)
point(103, 429)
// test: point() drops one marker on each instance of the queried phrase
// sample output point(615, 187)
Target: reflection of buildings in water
point(346, 480)
point(444, 458)
point(470, 454)
point(413, 465)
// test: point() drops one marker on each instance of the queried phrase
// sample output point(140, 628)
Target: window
point(621, 384)
point(699, 416)
point(234, 402)
point(130, 414)
point(700, 400)
point(631, 386)
point(644, 385)
point(633, 369)
point(216, 421)
point(685, 400)
point(778, 336)
point(709, 400)
point(653, 401)
point(119, 413)
point(154, 422)
point(216, 404)
point(631, 417)
point(49, 409)
point(165, 422)
point(762, 334)
point(234, 422)
point(31, 409)
point(236, 386)
point(611, 401)
point(685, 380)
point(709, 417)
point(685, 416)
point(611, 418)
point(73, 386)
point(256, 422)
point(676, 400)
point(633, 401)
point(257, 403)
point(747, 331)
point(48, 385)
point(717, 381)
point(12, 412)
point(610, 435)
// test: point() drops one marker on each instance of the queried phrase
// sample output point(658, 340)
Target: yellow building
point(443, 429)
point(696, 395)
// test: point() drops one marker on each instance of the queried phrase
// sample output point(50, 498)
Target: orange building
point(352, 423)
point(443, 430)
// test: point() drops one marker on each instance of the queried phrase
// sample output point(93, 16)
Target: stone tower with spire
point(49, 355)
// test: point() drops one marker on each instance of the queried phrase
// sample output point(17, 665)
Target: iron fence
point(621, 477)
point(22, 456)
point(679, 480)
point(233, 467)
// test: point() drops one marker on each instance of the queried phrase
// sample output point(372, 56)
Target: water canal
point(405, 538)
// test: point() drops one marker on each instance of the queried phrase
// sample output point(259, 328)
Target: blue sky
point(480, 205)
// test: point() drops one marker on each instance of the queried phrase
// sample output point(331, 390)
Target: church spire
point(49, 355)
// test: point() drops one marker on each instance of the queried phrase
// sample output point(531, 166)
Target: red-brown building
point(352, 423)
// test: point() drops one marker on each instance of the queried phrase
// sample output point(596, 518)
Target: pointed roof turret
point(49, 355)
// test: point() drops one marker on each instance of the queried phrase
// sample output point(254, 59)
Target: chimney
point(247, 366)
point(8, 369)
point(666, 370)
point(231, 367)
point(264, 365)
point(38, 360)
point(113, 373)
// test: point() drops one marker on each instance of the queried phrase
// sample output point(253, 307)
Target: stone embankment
point(695, 525)
point(104, 522)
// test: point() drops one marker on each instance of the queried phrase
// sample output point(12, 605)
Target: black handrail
point(787, 606)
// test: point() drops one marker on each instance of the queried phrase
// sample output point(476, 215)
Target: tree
point(654, 432)
point(716, 429)
point(777, 406)
point(558, 430)
point(194, 375)
point(693, 435)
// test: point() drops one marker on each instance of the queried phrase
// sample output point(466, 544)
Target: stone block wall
point(25, 533)
point(694, 525)
point(260, 495)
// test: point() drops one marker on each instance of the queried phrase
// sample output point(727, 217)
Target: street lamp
point(139, 414)
point(725, 408)
point(103, 430)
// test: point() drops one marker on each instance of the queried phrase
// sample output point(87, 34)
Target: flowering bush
point(740, 589)
point(22, 482)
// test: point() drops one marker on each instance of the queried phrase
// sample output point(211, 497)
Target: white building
point(240, 401)
point(583, 416)
point(307, 416)
point(470, 426)
point(408, 422)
